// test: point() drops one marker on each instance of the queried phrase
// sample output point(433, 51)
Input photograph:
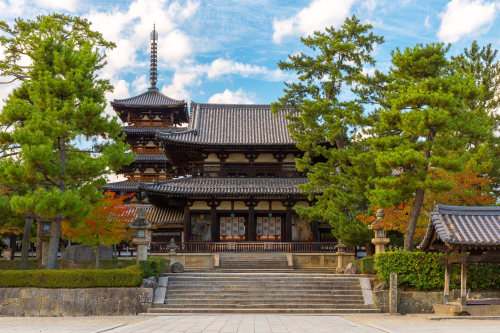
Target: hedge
point(78, 278)
point(366, 265)
point(424, 271)
point(153, 266)
point(68, 264)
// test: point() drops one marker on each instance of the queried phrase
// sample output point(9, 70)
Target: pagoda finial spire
point(153, 72)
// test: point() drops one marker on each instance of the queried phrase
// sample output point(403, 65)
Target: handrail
point(212, 247)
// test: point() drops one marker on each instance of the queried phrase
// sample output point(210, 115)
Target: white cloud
point(220, 67)
point(317, 16)
point(369, 5)
point(173, 48)
point(464, 18)
point(140, 84)
point(427, 22)
point(70, 5)
point(233, 97)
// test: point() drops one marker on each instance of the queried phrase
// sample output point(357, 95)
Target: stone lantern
point(141, 239)
point(380, 240)
point(172, 247)
point(44, 234)
point(341, 253)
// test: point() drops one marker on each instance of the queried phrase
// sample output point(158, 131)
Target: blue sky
point(227, 51)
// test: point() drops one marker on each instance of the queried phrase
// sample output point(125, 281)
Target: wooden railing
point(210, 247)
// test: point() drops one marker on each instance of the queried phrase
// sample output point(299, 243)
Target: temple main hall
point(215, 176)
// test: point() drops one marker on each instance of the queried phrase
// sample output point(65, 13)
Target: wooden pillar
point(214, 223)
point(187, 224)
point(251, 235)
point(447, 273)
point(463, 282)
point(288, 224)
point(315, 230)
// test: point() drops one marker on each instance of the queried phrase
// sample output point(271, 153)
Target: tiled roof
point(230, 124)
point(158, 215)
point(463, 225)
point(125, 186)
point(226, 186)
point(149, 129)
point(151, 157)
point(152, 98)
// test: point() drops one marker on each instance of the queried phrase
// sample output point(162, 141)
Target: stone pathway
point(277, 323)
point(240, 323)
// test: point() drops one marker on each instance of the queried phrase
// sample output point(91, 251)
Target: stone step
point(264, 305)
point(259, 300)
point(262, 310)
point(263, 275)
point(264, 294)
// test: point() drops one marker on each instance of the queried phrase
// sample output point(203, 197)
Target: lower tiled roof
point(123, 186)
point(226, 186)
point(158, 215)
point(464, 225)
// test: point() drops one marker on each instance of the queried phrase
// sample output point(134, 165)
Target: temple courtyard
point(259, 323)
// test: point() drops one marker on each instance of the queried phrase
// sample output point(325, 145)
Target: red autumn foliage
point(468, 190)
point(106, 226)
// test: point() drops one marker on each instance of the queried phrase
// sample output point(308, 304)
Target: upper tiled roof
point(125, 186)
point(226, 186)
point(149, 129)
point(462, 225)
point(152, 98)
point(230, 124)
point(158, 215)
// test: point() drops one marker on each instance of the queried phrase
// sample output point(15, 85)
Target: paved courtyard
point(259, 323)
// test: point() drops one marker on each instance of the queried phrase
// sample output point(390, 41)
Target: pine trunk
point(55, 233)
point(413, 219)
point(97, 257)
point(26, 241)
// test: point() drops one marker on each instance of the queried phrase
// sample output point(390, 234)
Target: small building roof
point(226, 186)
point(151, 98)
point(232, 125)
point(157, 215)
point(463, 226)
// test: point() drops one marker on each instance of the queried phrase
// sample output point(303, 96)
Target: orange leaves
point(469, 189)
point(107, 225)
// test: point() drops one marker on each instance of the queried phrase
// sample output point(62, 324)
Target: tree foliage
point(54, 129)
point(466, 189)
point(326, 114)
point(106, 225)
point(395, 139)
point(427, 125)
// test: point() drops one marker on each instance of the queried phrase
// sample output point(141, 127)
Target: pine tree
point(426, 125)
point(327, 114)
point(54, 123)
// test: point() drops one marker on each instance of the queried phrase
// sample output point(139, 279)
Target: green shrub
point(424, 271)
point(78, 278)
point(103, 264)
point(68, 264)
point(153, 266)
point(366, 265)
point(16, 264)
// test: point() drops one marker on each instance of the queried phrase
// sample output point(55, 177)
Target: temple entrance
point(232, 228)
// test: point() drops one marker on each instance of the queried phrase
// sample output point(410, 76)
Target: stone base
point(42, 302)
point(453, 309)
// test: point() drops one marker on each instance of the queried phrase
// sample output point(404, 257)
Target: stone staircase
point(264, 293)
point(275, 261)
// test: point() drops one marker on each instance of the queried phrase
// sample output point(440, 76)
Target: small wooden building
point(466, 235)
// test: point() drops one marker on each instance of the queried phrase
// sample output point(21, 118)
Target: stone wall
point(420, 301)
point(20, 302)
